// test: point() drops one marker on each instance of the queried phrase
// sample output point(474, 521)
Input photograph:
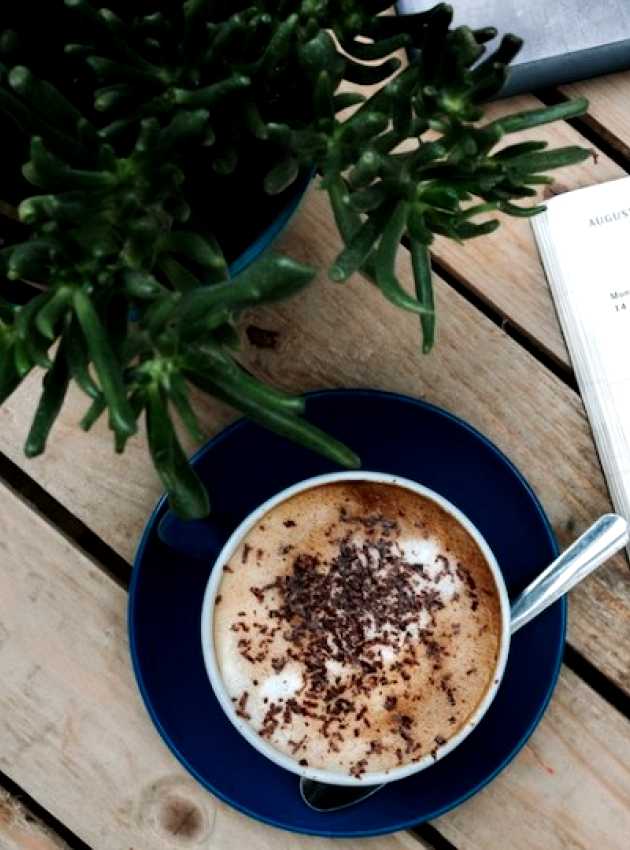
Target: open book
point(584, 242)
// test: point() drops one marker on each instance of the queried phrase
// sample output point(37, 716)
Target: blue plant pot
point(18, 292)
point(273, 230)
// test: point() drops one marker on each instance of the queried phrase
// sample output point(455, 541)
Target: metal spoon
point(599, 543)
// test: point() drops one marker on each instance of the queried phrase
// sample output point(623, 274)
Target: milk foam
point(431, 554)
point(282, 685)
point(409, 685)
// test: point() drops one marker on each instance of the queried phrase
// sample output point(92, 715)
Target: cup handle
point(196, 538)
point(600, 542)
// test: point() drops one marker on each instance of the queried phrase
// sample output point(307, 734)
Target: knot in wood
point(178, 813)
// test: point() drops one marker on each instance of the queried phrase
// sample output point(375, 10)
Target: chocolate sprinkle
point(278, 664)
point(359, 768)
point(340, 614)
point(240, 706)
point(326, 612)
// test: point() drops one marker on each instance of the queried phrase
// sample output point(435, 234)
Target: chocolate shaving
point(278, 664)
point(296, 745)
point(342, 612)
point(359, 768)
point(240, 706)
point(258, 593)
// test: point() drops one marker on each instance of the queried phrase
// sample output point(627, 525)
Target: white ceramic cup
point(212, 667)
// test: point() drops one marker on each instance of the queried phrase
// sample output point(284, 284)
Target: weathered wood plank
point(82, 471)
point(504, 268)
point(69, 709)
point(578, 729)
point(72, 729)
point(20, 830)
point(334, 335)
point(608, 112)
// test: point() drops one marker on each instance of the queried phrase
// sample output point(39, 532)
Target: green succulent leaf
point(187, 495)
point(143, 130)
point(55, 386)
point(106, 364)
point(271, 278)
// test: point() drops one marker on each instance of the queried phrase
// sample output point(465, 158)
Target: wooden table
point(80, 763)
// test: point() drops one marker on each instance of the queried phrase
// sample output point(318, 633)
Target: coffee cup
point(326, 704)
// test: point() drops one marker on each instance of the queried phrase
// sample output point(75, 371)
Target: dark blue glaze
point(270, 233)
point(243, 466)
point(193, 538)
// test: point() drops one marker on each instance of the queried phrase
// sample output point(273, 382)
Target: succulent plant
point(126, 129)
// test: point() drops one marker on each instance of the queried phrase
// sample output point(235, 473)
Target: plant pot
point(292, 198)
point(20, 292)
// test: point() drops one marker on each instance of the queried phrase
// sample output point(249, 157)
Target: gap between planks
point(25, 825)
point(116, 501)
point(602, 139)
point(78, 717)
point(119, 570)
point(513, 285)
point(71, 515)
point(608, 113)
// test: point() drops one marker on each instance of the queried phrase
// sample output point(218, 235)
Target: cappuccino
point(357, 627)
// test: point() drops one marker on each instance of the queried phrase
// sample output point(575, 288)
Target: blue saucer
point(243, 466)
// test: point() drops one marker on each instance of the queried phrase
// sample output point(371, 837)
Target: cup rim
point(214, 674)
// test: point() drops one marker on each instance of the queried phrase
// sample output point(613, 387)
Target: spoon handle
point(600, 542)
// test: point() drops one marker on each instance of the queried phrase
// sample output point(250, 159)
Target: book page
point(584, 239)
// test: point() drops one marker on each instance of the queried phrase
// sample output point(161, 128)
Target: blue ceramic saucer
point(243, 466)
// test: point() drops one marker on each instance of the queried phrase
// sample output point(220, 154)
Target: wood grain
point(334, 335)
point(349, 336)
point(20, 830)
point(72, 728)
point(77, 716)
point(503, 268)
point(69, 710)
point(609, 109)
point(579, 729)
